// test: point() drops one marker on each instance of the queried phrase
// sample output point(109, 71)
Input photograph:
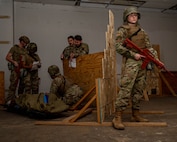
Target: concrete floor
point(19, 128)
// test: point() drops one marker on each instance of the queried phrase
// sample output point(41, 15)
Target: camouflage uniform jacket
point(17, 73)
point(69, 92)
point(58, 86)
point(67, 51)
point(32, 58)
point(18, 54)
point(35, 57)
point(141, 40)
point(81, 50)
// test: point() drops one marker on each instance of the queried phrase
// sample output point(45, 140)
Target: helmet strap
point(132, 23)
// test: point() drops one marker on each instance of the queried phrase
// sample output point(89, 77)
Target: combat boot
point(117, 121)
point(136, 116)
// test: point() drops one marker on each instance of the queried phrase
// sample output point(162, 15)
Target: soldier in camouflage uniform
point(80, 47)
point(15, 57)
point(133, 77)
point(70, 93)
point(32, 79)
point(36, 103)
point(63, 94)
point(69, 49)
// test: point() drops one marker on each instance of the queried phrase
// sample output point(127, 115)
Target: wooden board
point(100, 100)
point(127, 124)
point(4, 42)
point(4, 17)
point(2, 88)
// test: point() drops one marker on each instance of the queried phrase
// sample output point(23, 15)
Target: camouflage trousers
point(31, 82)
point(38, 103)
point(72, 95)
point(132, 84)
point(15, 79)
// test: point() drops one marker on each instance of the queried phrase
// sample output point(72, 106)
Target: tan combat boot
point(117, 121)
point(136, 116)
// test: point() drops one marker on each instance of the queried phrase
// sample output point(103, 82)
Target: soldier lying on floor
point(63, 94)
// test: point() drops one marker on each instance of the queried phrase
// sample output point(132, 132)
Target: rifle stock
point(148, 56)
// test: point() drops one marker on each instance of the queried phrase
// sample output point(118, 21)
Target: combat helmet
point(130, 10)
point(32, 47)
point(25, 39)
point(53, 70)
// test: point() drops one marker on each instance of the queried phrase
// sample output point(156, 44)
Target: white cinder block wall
point(49, 26)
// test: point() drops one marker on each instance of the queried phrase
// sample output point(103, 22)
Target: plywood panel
point(88, 68)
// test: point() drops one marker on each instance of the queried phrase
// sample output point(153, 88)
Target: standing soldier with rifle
point(15, 58)
point(133, 76)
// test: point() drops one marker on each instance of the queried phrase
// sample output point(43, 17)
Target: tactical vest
point(139, 38)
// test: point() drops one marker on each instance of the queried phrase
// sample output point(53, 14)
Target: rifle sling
point(135, 33)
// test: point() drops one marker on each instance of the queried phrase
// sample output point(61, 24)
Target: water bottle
point(46, 98)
